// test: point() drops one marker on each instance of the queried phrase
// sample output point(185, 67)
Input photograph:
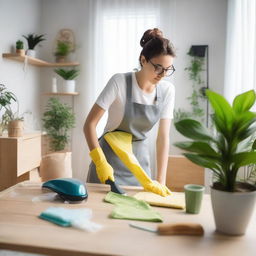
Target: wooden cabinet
point(18, 156)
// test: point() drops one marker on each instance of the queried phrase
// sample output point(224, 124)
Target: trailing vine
point(197, 97)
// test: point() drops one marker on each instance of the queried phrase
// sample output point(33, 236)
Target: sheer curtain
point(113, 32)
point(240, 70)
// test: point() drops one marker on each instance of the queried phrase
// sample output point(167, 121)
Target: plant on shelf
point(58, 120)
point(20, 47)
point(225, 151)
point(63, 49)
point(197, 97)
point(68, 76)
point(9, 118)
point(33, 40)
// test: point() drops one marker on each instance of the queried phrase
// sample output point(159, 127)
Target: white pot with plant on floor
point(33, 40)
point(225, 150)
point(58, 120)
point(68, 75)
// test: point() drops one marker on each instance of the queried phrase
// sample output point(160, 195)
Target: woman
point(135, 102)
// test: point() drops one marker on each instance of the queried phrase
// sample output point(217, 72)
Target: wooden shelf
point(62, 93)
point(37, 62)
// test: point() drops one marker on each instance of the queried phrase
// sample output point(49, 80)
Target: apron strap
point(128, 79)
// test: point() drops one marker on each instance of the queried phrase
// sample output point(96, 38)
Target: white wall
point(19, 18)
point(56, 15)
point(197, 22)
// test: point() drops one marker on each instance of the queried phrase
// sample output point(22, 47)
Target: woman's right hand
point(103, 168)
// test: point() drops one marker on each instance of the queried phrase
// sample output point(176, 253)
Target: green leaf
point(243, 102)
point(222, 109)
point(243, 122)
point(244, 158)
point(247, 133)
point(202, 161)
point(199, 147)
point(254, 145)
point(193, 129)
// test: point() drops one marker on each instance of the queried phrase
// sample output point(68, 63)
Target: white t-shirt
point(113, 99)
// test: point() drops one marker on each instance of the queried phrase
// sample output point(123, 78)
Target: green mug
point(193, 197)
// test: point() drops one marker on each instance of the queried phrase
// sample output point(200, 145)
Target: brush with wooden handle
point(174, 229)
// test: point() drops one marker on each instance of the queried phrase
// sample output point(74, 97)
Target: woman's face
point(157, 68)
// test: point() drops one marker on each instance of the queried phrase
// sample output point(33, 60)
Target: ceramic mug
point(193, 197)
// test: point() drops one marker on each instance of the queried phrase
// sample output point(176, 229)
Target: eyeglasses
point(160, 70)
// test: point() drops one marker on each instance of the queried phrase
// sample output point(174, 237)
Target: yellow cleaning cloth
point(173, 201)
point(121, 144)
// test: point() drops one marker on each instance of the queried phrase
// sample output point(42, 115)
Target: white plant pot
point(232, 210)
point(31, 53)
point(69, 86)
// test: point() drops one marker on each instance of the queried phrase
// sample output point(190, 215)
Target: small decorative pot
point(69, 86)
point(61, 58)
point(21, 52)
point(15, 128)
point(31, 53)
point(232, 210)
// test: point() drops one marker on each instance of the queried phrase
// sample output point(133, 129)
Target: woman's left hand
point(157, 188)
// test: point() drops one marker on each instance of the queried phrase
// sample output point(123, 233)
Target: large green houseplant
point(58, 120)
point(224, 151)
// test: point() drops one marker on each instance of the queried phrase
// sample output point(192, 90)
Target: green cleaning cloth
point(131, 208)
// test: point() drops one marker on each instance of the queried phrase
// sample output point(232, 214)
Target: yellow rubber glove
point(121, 144)
point(103, 168)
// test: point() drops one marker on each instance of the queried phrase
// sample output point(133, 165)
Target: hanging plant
point(197, 97)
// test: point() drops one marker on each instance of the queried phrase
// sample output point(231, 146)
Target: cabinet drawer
point(28, 154)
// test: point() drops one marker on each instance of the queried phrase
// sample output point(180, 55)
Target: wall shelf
point(62, 93)
point(36, 61)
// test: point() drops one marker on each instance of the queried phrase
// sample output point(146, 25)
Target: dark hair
point(154, 44)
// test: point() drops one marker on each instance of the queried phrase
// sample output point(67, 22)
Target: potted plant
point(62, 51)
point(6, 99)
point(68, 76)
point(58, 120)
point(15, 123)
point(33, 40)
point(197, 98)
point(20, 48)
point(225, 151)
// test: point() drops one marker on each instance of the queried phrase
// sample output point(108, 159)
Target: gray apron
point(138, 120)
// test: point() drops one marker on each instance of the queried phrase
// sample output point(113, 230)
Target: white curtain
point(240, 67)
point(113, 31)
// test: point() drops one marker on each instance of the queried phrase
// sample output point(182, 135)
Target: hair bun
point(150, 34)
